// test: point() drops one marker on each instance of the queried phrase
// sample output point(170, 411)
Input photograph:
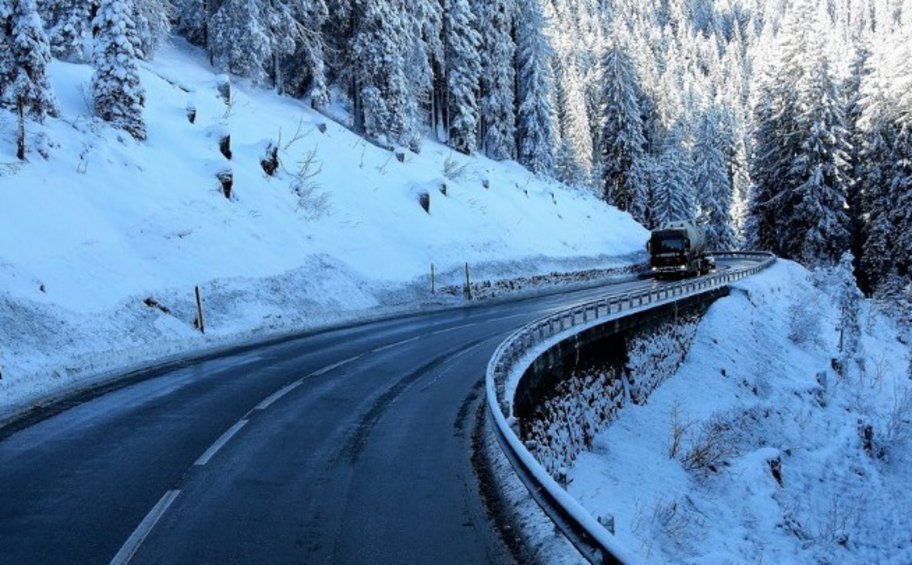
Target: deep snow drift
point(771, 465)
point(95, 223)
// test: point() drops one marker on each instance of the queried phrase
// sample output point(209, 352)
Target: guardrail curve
point(520, 350)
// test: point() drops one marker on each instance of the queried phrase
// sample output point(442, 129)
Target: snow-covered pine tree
point(283, 31)
point(852, 90)
point(672, 188)
point(817, 231)
point(423, 55)
point(153, 24)
point(534, 133)
point(463, 74)
point(116, 90)
point(25, 81)
point(775, 139)
point(239, 39)
point(69, 27)
point(192, 19)
point(497, 93)
point(384, 105)
point(848, 301)
point(878, 124)
point(566, 167)
point(622, 141)
point(770, 163)
point(712, 185)
point(305, 70)
point(7, 64)
point(252, 37)
point(576, 151)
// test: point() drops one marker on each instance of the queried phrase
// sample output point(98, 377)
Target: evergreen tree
point(712, 184)
point(68, 25)
point(848, 300)
point(153, 24)
point(247, 38)
point(192, 19)
point(385, 107)
point(305, 73)
point(672, 187)
point(566, 167)
point(496, 102)
point(800, 162)
point(24, 65)
point(7, 63)
point(576, 132)
point(856, 165)
point(463, 74)
point(818, 230)
point(622, 141)
point(118, 95)
point(771, 162)
point(237, 41)
point(535, 137)
point(423, 55)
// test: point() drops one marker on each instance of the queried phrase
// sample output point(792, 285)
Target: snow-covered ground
point(95, 223)
point(771, 465)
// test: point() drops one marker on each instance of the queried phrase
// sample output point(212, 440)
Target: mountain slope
point(96, 223)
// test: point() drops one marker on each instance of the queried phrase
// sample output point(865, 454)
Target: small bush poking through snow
point(312, 202)
point(454, 170)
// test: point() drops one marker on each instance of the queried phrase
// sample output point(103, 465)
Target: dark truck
point(679, 249)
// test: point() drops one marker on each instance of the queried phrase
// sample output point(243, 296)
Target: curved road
point(347, 446)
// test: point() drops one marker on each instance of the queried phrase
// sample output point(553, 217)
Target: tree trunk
point(20, 137)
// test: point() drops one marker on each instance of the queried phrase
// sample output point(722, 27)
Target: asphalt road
point(347, 446)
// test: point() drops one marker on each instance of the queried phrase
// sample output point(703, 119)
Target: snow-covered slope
point(772, 466)
point(95, 223)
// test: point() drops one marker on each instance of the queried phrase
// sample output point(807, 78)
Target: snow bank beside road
point(772, 467)
point(95, 223)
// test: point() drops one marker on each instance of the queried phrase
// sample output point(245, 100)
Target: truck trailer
point(679, 249)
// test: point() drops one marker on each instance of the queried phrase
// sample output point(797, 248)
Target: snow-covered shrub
point(723, 436)
point(454, 170)
point(898, 423)
point(713, 445)
point(804, 321)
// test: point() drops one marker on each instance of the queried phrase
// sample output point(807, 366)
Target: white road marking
point(267, 402)
point(220, 442)
point(329, 368)
point(454, 328)
point(397, 344)
point(142, 531)
point(507, 317)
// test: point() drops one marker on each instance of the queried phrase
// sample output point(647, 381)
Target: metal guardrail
point(517, 352)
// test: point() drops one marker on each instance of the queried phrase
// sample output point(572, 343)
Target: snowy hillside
point(95, 223)
point(772, 462)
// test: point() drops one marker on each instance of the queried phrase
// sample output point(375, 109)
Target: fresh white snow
point(753, 371)
point(100, 222)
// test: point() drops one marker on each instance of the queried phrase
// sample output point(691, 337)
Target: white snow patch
point(836, 501)
point(103, 222)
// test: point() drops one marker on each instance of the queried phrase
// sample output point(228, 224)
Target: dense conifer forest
point(786, 124)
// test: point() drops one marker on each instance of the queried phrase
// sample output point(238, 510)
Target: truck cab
point(678, 249)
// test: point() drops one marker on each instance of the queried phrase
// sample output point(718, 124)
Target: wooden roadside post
point(468, 285)
point(199, 311)
point(433, 288)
